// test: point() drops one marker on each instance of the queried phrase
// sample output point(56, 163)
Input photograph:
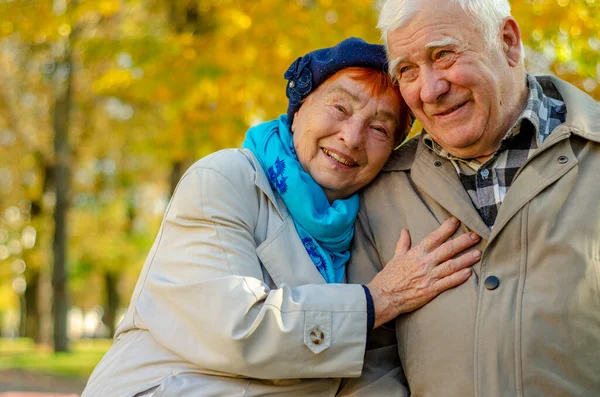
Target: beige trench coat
point(229, 303)
point(536, 334)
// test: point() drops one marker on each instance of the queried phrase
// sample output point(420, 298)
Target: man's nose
point(433, 85)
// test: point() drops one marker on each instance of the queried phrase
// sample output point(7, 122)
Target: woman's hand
point(414, 276)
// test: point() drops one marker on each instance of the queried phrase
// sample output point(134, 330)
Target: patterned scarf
point(326, 230)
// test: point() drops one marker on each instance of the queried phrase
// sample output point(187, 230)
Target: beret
point(309, 71)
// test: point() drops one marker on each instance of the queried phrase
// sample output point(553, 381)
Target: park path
point(30, 384)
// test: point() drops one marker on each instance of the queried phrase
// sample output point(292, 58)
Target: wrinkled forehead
point(406, 45)
point(429, 30)
point(385, 105)
point(442, 41)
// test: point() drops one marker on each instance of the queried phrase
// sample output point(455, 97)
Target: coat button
point(491, 283)
point(316, 336)
point(437, 163)
point(563, 159)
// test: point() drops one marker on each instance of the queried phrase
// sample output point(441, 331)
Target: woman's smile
point(339, 158)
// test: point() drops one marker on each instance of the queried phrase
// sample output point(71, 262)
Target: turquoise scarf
point(326, 230)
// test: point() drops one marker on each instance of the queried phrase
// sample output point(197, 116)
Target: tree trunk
point(45, 304)
point(22, 315)
point(176, 173)
point(39, 288)
point(112, 302)
point(30, 321)
point(62, 107)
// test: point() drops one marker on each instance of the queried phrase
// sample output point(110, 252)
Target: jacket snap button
point(437, 163)
point(491, 283)
point(563, 159)
point(316, 336)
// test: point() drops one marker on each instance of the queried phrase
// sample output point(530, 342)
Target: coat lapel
point(286, 259)
point(262, 182)
point(437, 177)
point(544, 169)
point(282, 253)
point(550, 162)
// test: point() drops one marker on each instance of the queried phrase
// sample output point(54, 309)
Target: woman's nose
point(353, 134)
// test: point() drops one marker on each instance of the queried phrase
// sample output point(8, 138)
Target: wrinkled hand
point(414, 276)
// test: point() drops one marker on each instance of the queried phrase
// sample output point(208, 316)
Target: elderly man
point(517, 159)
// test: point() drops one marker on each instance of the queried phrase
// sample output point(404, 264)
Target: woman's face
point(343, 136)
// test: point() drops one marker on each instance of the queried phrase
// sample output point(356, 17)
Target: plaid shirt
point(488, 183)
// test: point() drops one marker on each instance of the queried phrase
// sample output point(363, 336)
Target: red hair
point(379, 83)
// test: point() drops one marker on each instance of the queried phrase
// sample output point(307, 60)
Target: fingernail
point(476, 254)
point(474, 236)
point(454, 221)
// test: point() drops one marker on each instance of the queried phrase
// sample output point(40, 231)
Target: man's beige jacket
point(229, 303)
point(537, 332)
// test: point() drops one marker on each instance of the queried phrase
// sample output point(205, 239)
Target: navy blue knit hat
point(309, 71)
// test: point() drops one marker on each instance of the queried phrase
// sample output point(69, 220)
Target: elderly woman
point(242, 293)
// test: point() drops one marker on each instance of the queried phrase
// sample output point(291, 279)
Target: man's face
point(466, 94)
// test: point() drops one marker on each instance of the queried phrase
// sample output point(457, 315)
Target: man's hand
point(414, 276)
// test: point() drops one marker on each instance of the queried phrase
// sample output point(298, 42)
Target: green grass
point(23, 354)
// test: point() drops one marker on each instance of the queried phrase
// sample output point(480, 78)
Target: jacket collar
point(403, 157)
point(583, 112)
point(262, 182)
point(438, 178)
point(273, 256)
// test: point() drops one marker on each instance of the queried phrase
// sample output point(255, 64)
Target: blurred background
point(105, 103)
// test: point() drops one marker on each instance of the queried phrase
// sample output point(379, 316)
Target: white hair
point(487, 16)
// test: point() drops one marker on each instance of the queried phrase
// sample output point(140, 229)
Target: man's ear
point(511, 41)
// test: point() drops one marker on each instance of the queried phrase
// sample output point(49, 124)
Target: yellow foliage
point(8, 299)
point(108, 7)
point(113, 80)
point(162, 93)
point(6, 27)
point(64, 29)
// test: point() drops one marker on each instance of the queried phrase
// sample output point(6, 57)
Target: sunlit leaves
point(567, 33)
point(113, 81)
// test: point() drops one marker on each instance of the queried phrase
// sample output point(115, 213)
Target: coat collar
point(262, 182)
point(583, 112)
point(437, 177)
point(403, 158)
point(286, 259)
point(282, 253)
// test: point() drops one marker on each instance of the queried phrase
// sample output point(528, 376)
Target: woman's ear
point(293, 126)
